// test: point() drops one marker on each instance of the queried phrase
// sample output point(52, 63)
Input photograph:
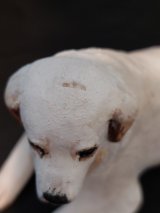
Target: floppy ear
point(14, 90)
point(118, 126)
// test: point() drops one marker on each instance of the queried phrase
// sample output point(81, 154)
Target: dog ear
point(118, 126)
point(16, 114)
point(14, 90)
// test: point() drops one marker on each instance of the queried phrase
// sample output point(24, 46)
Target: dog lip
point(56, 200)
point(52, 204)
point(57, 204)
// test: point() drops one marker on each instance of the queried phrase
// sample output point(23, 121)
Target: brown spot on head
point(118, 126)
point(75, 85)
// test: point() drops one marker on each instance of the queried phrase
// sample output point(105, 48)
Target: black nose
point(56, 199)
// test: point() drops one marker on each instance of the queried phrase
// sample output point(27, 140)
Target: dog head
point(71, 105)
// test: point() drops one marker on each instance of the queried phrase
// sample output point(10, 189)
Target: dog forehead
point(65, 91)
point(63, 113)
point(66, 85)
point(56, 68)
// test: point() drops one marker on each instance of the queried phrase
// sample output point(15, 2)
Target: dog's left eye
point(38, 149)
point(83, 154)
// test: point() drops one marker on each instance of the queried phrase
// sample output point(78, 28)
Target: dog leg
point(15, 172)
point(115, 192)
point(121, 197)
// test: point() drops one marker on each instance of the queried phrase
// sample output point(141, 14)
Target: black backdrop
point(30, 29)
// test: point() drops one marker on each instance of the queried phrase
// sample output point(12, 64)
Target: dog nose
point(56, 199)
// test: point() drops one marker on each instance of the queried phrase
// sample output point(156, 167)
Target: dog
point(91, 120)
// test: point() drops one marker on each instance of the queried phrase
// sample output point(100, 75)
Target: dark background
point(31, 29)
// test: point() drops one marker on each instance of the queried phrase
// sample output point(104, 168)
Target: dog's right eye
point(38, 149)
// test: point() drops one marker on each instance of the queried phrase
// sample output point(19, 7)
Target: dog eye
point(38, 149)
point(86, 153)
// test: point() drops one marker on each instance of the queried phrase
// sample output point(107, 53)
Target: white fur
point(65, 104)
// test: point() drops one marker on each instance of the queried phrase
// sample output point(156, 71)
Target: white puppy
point(91, 114)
